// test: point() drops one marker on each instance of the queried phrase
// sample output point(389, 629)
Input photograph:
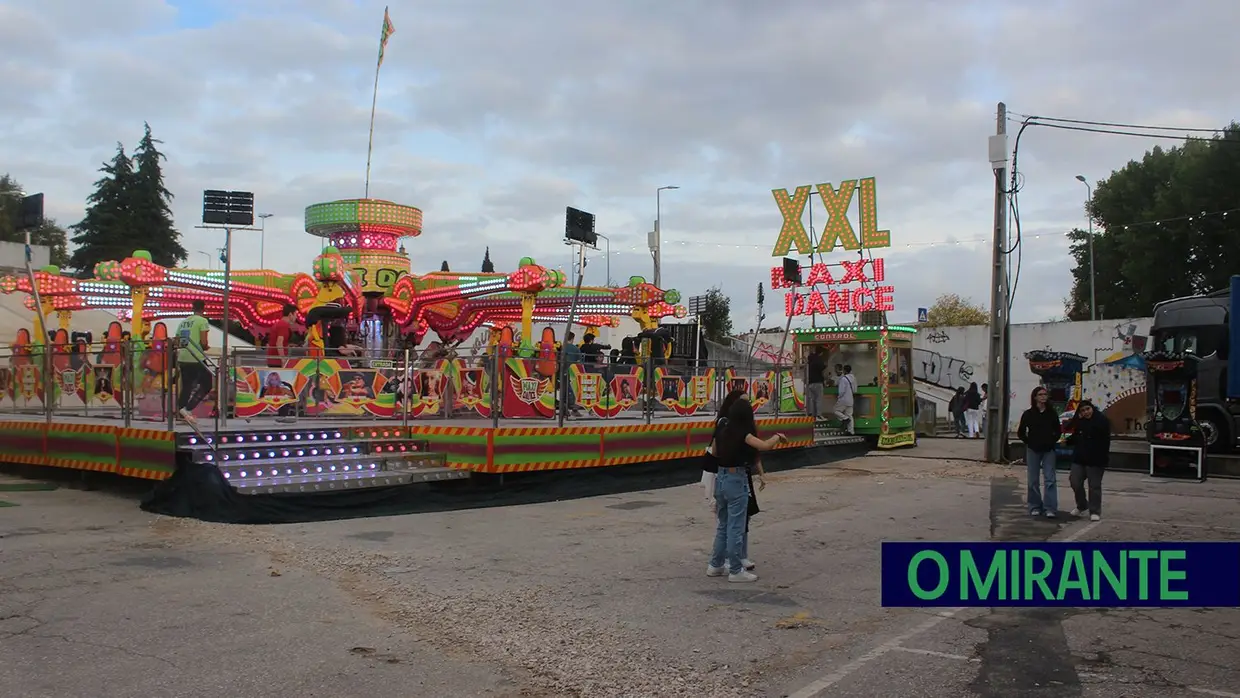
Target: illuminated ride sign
point(855, 285)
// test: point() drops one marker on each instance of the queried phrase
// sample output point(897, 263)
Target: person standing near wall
point(973, 411)
point(814, 369)
point(1039, 431)
point(1091, 451)
point(846, 386)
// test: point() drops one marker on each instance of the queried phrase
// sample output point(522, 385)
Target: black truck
point(1200, 326)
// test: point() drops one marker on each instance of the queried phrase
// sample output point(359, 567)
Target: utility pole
point(996, 412)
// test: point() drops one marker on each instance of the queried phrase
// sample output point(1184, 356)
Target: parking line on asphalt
point(1169, 524)
point(818, 686)
point(933, 653)
point(1212, 692)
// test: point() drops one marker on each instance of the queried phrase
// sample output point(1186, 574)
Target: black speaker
point(227, 207)
point(30, 212)
point(792, 270)
point(579, 227)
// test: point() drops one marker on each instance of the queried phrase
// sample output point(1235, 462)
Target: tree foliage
point(129, 210)
point(150, 201)
point(49, 234)
point(487, 266)
point(950, 310)
point(716, 315)
point(1159, 229)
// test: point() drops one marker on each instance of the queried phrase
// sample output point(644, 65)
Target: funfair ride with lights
point(365, 270)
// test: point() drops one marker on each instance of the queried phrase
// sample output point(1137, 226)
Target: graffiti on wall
point(1112, 375)
point(944, 371)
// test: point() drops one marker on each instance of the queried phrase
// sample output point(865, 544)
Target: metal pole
point(568, 327)
point(221, 390)
point(497, 366)
point(996, 429)
point(697, 348)
point(406, 388)
point(1093, 303)
point(658, 237)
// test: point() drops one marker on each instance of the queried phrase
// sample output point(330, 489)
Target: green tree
point(487, 266)
point(104, 233)
point(950, 310)
point(49, 234)
point(716, 316)
point(1159, 230)
point(149, 200)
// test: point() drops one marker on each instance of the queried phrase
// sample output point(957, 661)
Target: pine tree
point(49, 234)
point(149, 199)
point(487, 266)
point(444, 266)
point(106, 231)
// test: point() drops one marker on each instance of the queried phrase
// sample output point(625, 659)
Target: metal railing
point(142, 383)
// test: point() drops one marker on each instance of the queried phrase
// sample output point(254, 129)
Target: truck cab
point(1200, 326)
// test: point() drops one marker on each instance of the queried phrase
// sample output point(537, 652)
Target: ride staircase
point(309, 460)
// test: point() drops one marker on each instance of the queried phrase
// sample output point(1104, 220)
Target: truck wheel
point(1215, 431)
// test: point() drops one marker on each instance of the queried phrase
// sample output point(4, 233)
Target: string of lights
point(960, 241)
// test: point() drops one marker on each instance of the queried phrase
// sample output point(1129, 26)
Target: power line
point(1178, 129)
point(961, 241)
point(1115, 132)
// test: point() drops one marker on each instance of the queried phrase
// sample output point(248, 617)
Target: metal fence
point(143, 384)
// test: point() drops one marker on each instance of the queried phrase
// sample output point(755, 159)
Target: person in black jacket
point(1039, 431)
point(1091, 451)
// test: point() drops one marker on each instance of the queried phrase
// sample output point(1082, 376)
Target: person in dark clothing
point(973, 411)
point(590, 351)
point(1091, 451)
point(815, 366)
point(737, 449)
point(956, 409)
point(628, 355)
point(1039, 431)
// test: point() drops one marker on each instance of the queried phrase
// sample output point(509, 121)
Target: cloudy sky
point(493, 116)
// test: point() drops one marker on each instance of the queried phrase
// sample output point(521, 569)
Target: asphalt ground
point(590, 591)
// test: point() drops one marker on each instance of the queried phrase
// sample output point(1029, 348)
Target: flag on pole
point(388, 30)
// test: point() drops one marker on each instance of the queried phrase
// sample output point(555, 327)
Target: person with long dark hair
point(973, 411)
point(736, 449)
point(1090, 438)
point(1039, 430)
point(710, 464)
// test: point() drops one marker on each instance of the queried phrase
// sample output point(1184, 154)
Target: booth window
point(900, 373)
point(862, 356)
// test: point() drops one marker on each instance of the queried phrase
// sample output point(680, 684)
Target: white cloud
point(493, 116)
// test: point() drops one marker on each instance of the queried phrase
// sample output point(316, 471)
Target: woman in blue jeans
point(1039, 430)
point(736, 449)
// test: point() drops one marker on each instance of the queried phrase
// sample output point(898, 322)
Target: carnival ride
point(363, 271)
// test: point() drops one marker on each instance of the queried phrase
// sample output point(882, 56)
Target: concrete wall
point(13, 256)
point(947, 357)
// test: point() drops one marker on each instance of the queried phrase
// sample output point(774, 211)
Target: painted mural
point(1112, 375)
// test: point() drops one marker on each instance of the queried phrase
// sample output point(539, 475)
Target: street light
point(656, 250)
point(208, 256)
point(262, 239)
point(1089, 198)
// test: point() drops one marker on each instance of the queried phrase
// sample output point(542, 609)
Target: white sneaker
point(743, 577)
point(188, 416)
point(712, 571)
point(1077, 512)
point(1095, 517)
point(1051, 515)
point(748, 564)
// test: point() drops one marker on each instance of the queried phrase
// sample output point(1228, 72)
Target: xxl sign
point(838, 230)
point(866, 276)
